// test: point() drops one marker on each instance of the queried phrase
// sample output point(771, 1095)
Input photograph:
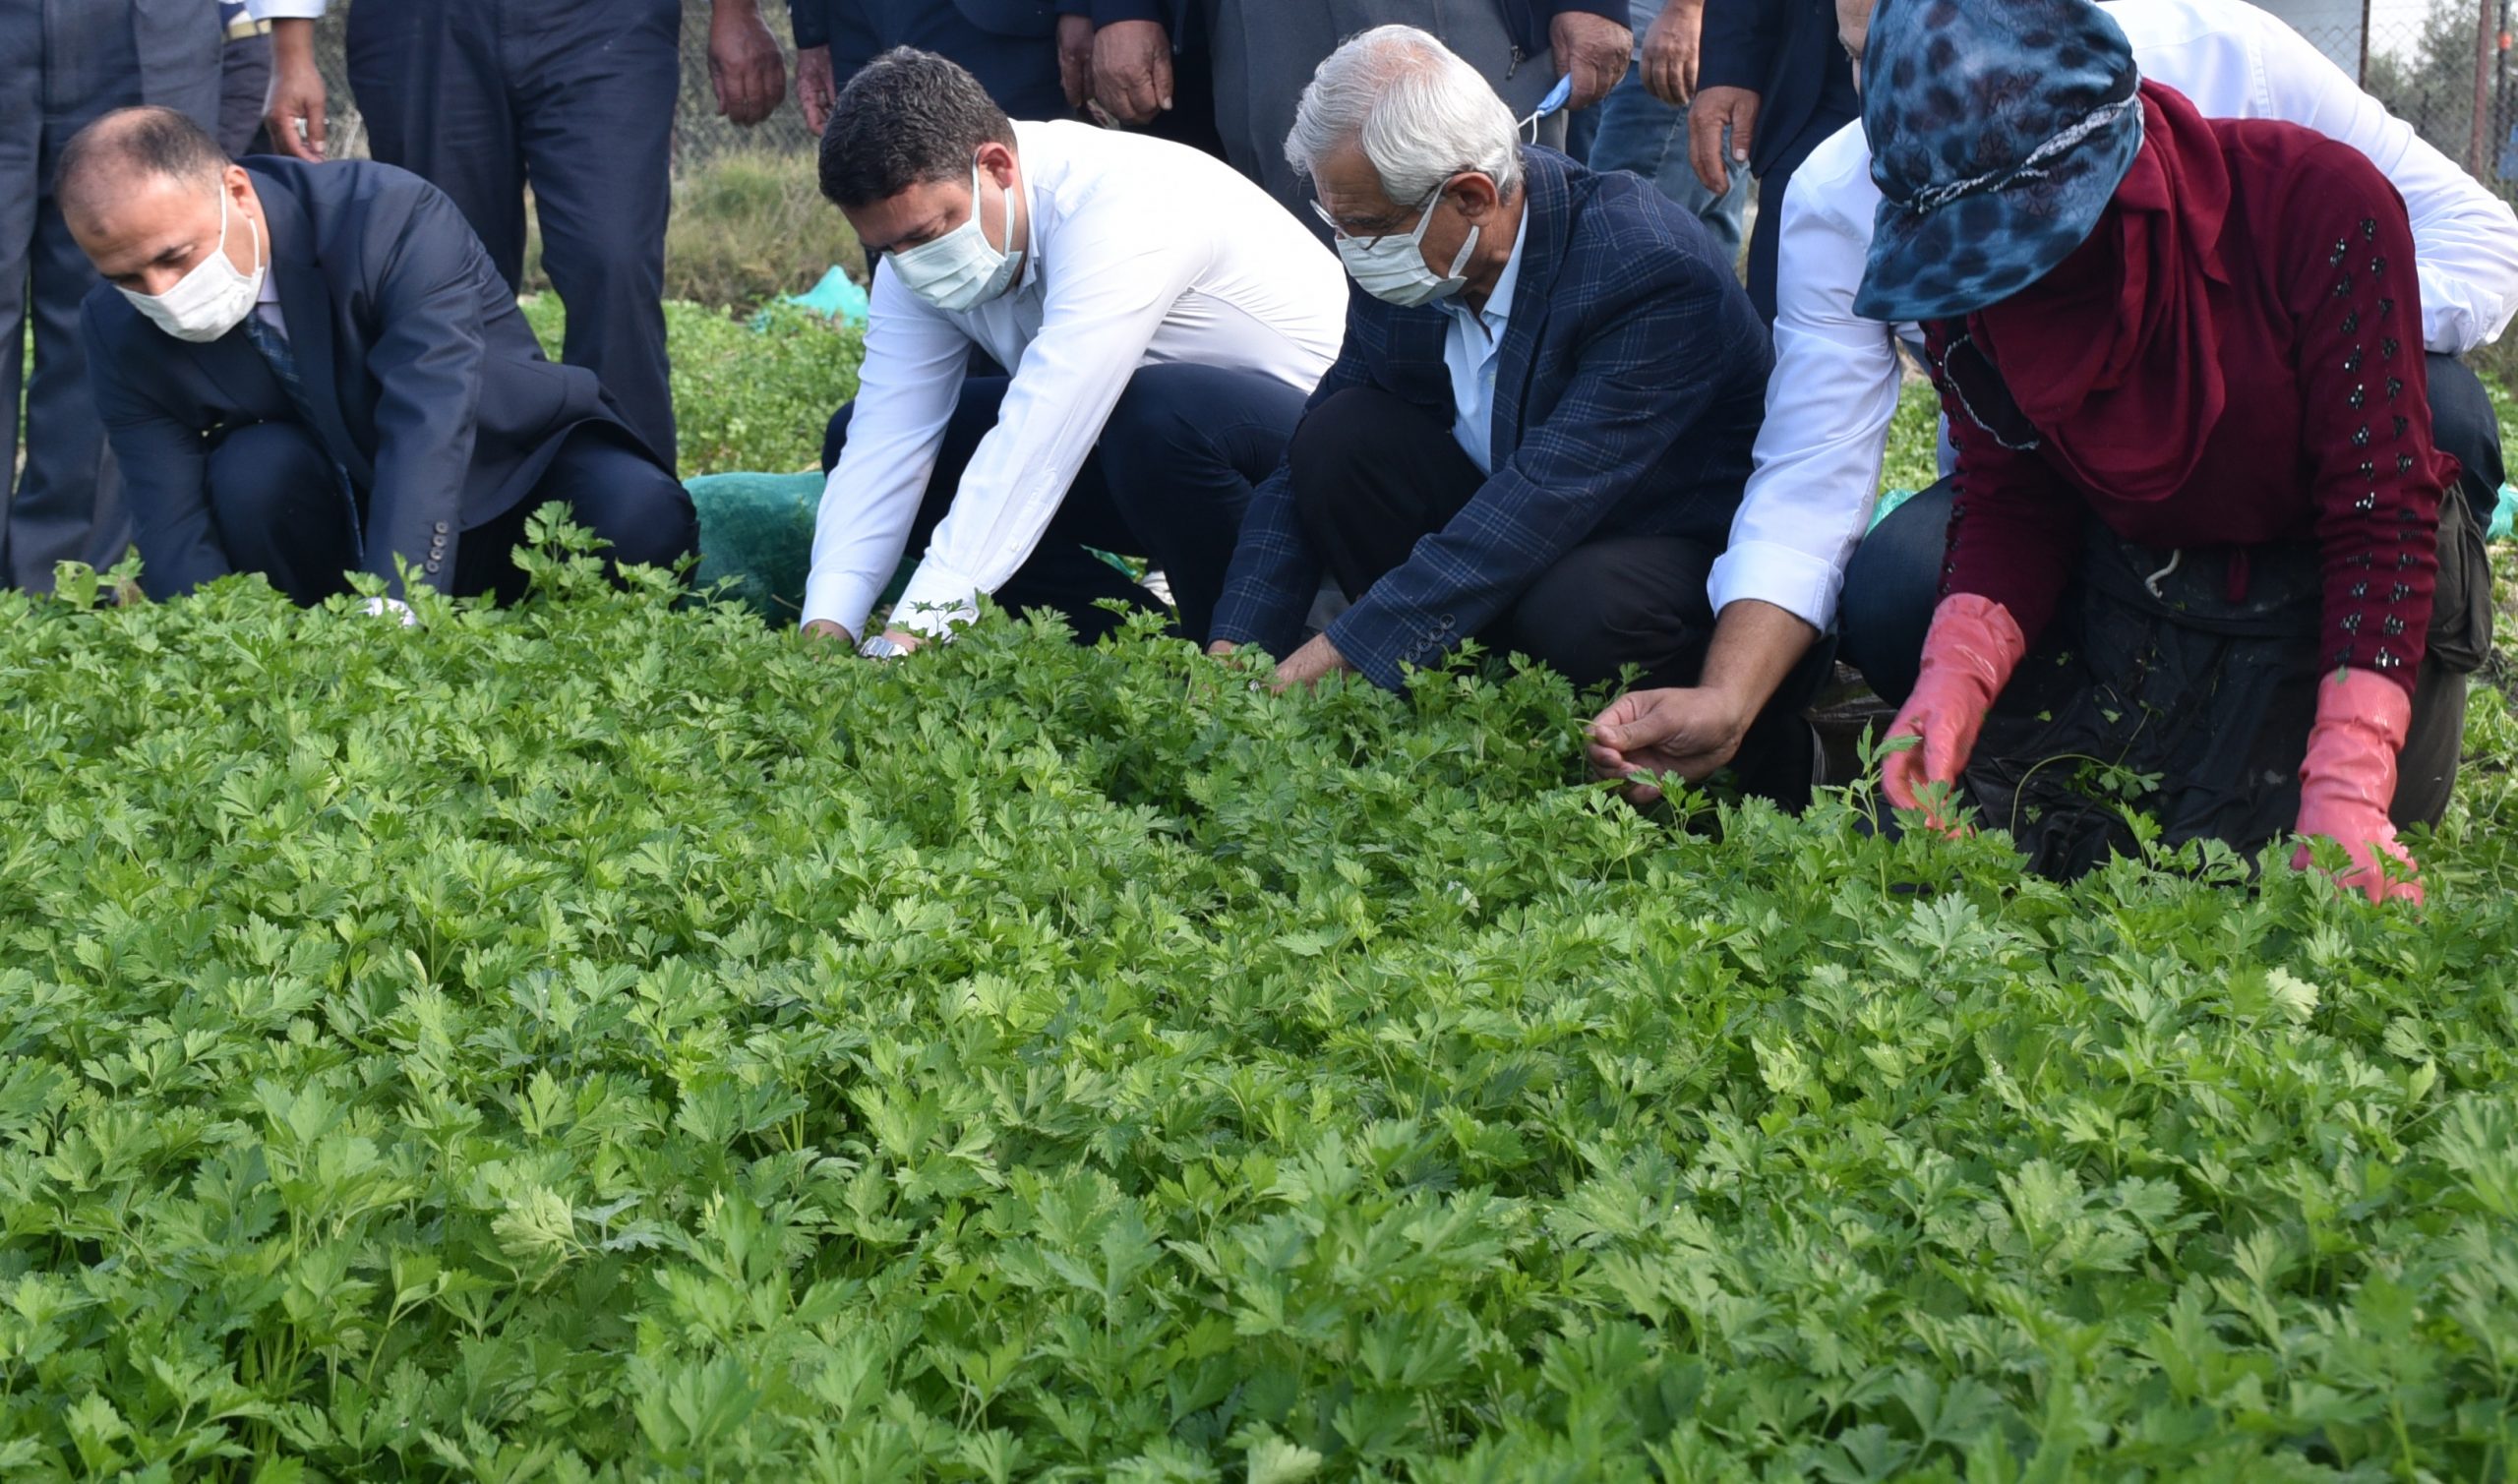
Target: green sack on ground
point(756, 534)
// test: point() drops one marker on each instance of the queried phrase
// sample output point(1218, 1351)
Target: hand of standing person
point(294, 109)
point(1132, 70)
point(1721, 119)
point(1670, 52)
point(744, 64)
point(1592, 50)
point(1075, 60)
point(816, 91)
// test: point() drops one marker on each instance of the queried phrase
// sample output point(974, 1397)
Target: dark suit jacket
point(1787, 52)
point(1629, 389)
point(422, 380)
point(1009, 45)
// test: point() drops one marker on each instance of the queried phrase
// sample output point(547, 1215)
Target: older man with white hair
point(1539, 424)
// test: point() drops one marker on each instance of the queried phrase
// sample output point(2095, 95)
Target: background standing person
point(1145, 64)
point(244, 76)
point(1773, 86)
point(576, 99)
point(1643, 120)
point(61, 68)
point(1266, 51)
point(1009, 45)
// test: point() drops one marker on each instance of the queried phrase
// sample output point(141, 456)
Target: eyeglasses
point(1421, 206)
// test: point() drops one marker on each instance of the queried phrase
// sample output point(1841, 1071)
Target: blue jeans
point(1641, 132)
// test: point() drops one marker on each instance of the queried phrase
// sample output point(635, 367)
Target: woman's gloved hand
point(1969, 653)
point(2348, 782)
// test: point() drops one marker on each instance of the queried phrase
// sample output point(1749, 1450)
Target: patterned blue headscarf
point(1998, 131)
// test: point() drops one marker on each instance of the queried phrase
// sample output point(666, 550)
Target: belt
point(243, 26)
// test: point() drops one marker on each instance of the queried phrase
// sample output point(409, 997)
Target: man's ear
point(1474, 196)
point(997, 161)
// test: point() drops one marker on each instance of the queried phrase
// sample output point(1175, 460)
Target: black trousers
point(1169, 480)
point(1374, 474)
point(575, 97)
point(61, 68)
point(281, 508)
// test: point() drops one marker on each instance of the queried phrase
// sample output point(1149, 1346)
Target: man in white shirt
point(1160, 322)
point(1836, 375)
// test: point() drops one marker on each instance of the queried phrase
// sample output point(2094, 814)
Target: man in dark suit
point(1773, 82)
point(61, 67)
point(1009, 45)
point(1540, 422)
point(307, 370)
point(576, 99)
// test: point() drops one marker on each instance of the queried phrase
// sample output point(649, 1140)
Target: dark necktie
point(284, 361)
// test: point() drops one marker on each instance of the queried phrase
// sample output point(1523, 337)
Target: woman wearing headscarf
point(2157, 333)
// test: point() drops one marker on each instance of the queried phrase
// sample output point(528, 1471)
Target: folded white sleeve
point(1829, 404)
point(907, 388)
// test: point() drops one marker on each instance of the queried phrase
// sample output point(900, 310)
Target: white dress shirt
point(1837, 374)
point(1472, 340)
point(1141, 253)
point(284, 10)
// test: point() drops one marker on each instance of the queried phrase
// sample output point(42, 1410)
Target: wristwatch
point(883, 647)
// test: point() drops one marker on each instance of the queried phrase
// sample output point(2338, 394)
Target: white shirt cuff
point(1795, 581)
point(285, 10)
point(842, 598)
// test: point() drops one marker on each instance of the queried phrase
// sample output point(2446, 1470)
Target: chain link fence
point(2442, 66)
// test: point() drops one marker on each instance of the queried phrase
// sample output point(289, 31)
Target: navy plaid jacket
point(1627, 392)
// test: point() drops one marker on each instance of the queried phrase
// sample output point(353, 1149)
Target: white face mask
point(960, 270)
point(1393, 267)
point(214, 297)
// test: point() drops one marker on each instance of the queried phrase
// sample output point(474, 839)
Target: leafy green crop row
point(602, 1040)
point(746, 400)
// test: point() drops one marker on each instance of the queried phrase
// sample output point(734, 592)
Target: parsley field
point(602, 1040)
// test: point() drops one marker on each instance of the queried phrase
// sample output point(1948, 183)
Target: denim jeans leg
point(1641, 132)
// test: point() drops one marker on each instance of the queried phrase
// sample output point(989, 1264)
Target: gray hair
point(1420, 114)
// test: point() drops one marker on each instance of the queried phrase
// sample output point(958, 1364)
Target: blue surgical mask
point(961, 269)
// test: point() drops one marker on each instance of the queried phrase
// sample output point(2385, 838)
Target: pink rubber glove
point(2349, 780)
point(1969, 653)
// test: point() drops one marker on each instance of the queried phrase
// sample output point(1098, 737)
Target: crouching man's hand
point(1685, 732)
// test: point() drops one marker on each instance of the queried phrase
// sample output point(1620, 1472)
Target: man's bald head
point(128, 148)
point(149, 196)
